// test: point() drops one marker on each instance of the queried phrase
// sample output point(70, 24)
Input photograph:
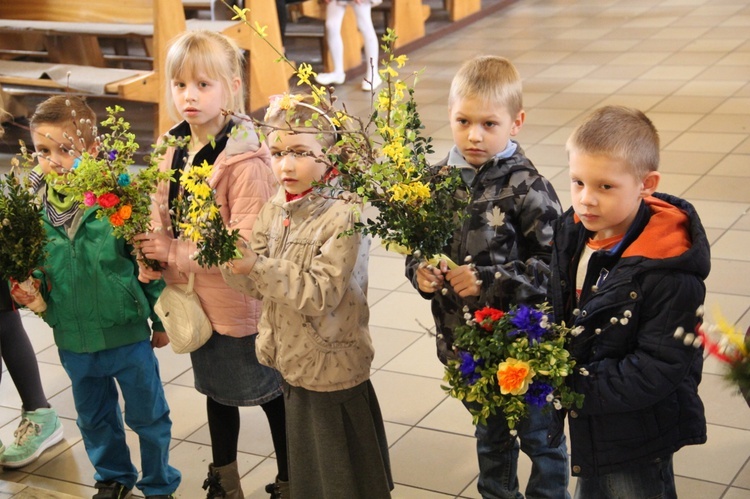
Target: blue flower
point(112, 154)
point(528, 321)
point(123, 180)
point(469, 367)
point(537, 393)
point(76, 163)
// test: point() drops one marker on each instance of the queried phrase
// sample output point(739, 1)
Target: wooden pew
point(72, 28)
point(458, 9)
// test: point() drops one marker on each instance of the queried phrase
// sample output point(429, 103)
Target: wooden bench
point(71, 30)
point(458, 9)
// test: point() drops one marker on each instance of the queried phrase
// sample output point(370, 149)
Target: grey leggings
point(19, 356)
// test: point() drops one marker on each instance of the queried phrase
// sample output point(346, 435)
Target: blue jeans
point(498, 458)
point(136, 370)
point(654, 480)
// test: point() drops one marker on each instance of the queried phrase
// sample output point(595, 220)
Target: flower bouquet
point(22, 235)
point(383, 160)
point(508, 361)
point(199, 219)
point(105, 180)
point(728, 345)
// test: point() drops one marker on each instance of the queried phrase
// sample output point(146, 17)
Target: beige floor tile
point(674, 121)
point(724, 405)
point(706, 142)
point(735, 105)
point(385, 273)
point(389, 343)
point(187, 409)
point(719, 214)
point(400, 310)
point(416, 457)
point(450, 416)
point(419, 359)
point(732, 246)
point(688, 162)
point(696, 489)
point(724, 188)
point(736, 493)
point(719, 459)
point(416, 397)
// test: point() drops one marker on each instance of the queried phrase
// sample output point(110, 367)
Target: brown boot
point(223, 482)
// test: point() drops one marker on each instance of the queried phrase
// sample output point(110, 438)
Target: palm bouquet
point(510, 360)
point(199, 219)
point(382, 159)
point(106, 179)
point(22, 235)
point(728, 345)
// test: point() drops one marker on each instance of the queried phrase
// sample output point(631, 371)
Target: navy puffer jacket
point(641, 391)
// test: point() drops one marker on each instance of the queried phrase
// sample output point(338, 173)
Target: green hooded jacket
point(90, 283)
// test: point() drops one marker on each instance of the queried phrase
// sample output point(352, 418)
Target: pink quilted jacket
point(243, 182)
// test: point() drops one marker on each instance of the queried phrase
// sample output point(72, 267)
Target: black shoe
point(161, 496)
point(212, 486)
point(110, 490)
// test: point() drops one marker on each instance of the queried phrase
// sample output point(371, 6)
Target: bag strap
point(191, 281)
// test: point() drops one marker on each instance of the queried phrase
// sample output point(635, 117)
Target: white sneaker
point(367, 87)
point(331, 78)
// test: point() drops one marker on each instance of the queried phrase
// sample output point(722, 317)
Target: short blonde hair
point(67, 111)
point(619, 132)
point(490, 78)
point(211, 53)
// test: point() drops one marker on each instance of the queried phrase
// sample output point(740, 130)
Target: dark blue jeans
point(498, 458)
point(654, 480)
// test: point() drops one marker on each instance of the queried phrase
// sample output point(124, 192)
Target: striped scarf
point(60, 209)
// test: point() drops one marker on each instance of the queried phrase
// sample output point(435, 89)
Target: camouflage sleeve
point(524, 278)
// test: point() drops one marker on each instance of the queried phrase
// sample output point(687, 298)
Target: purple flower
point(528, 321)
point(123, 180)
point(469, 366)
point(112, 155)
point(537, 393)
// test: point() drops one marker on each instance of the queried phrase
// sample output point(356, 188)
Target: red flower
point(493, 314)
point(108, 200)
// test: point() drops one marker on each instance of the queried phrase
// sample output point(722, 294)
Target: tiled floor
point(686, 63)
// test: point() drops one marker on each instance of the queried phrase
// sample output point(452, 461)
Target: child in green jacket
point(99, 312)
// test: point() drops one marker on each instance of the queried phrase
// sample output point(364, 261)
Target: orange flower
point(125, 211)
point(116, 220)
point(514, 376)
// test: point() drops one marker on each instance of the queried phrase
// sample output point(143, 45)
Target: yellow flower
point(240, 13)
point(514, 376)
point(261, 30)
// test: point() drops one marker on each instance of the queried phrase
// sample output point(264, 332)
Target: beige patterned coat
point(314, 327)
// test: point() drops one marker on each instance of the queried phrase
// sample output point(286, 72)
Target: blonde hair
point(491, 78)
point(67, 111)
point(619, 132)
point(211, 53)
point(293, 111)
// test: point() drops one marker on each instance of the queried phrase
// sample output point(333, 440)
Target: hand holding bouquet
point(22, 237)
point(108, 180)
point(507, 361)
point(199, 219)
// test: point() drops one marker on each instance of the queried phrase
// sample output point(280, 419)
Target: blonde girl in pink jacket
point(203, 72)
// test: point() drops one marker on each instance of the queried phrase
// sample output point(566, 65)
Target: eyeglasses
point(293, 154)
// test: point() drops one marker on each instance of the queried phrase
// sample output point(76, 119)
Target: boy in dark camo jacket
point(503, 251)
